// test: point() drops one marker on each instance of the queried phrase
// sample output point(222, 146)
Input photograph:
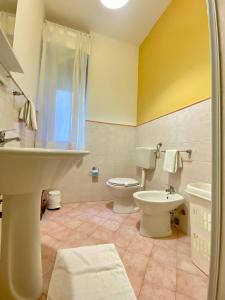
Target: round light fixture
point(114, 4)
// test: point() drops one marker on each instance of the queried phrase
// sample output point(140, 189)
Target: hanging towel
point(27, 114)
point(172, 161)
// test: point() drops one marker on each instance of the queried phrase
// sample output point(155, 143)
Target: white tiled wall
point(9, 109)
point(112, 151)
point(189, 128)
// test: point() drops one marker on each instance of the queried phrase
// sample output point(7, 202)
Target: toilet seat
point(126, 182)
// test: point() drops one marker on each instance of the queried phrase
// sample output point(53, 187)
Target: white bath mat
point(90, 273)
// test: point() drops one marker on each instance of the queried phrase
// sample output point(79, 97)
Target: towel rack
point(189, 151)
point(8, 83)
point(158, 151)
point(10, 91)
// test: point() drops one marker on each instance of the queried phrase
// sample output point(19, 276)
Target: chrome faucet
point(3, 139)
point(170, 190)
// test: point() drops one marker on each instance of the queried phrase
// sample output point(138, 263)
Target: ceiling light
point(114, 4)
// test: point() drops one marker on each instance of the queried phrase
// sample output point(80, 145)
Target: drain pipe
point(143, 178)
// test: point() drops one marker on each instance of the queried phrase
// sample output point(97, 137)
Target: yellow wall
point(112, 81)
point(174, 61)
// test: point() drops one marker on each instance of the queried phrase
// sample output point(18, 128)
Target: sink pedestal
point(20, 264)
point(25, 172)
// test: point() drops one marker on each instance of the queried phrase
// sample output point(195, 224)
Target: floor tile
point(182, 297)
point(135, 261)
point(164, 256)
point(161, 275)
point(120, 218)
point(87, 228)
point(121, 240)
point(169, 242)
point(111, 225)
point(63, 233)
point(47, 265)
point(141, 246)
point(128, 230)
point(136, 280)
point(182, 237)
point(105, 214)
point(183, 248)
point(158, 269)
point(46, 281)
point(120, 251)
point(48, 226)
point(193, 286)
point(155, 292)
point(49, 246)
point(185, 263)
point(67, 221)
point(103, 234)
point(131, 221)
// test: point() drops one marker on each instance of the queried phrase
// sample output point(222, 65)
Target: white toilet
point(122, 189)
point(156, 207)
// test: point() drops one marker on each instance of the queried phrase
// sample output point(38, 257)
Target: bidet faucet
point(170, 190)
point(3, 140)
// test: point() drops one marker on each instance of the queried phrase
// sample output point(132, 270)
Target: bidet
point(156, 207)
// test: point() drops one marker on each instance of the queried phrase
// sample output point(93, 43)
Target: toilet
point(122, 189)
point(156, 207)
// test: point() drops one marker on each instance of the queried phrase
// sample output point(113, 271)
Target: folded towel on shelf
point(172, 161)
point(27, 114)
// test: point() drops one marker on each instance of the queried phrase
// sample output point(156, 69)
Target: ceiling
point(131, 23)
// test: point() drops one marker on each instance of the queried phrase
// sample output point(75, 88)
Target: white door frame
point(217, 265)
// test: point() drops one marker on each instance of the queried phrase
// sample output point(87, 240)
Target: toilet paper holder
point(94, 172)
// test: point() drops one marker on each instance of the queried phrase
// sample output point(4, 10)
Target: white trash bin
point(54, 200)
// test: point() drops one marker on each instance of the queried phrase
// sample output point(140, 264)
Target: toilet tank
point(146, 157)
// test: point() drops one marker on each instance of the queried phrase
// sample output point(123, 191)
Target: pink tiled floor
point(158, 268)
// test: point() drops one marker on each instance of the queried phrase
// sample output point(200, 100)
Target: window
point(63, 116)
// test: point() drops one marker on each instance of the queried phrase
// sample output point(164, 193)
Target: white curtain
point(62, 88)
point(7, 23)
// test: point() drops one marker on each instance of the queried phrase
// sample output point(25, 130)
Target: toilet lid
point(123, 181)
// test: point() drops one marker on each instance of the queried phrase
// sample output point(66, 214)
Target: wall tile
point(189, 128)
point(112, 151)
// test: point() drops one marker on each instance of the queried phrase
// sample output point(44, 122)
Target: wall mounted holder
point(158, 151)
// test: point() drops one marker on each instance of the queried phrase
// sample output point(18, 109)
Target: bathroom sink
point(200, 190)
point(25, 172)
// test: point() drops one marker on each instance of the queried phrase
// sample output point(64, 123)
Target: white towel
point(172, 161)
point(90, 273)
point(27, 114)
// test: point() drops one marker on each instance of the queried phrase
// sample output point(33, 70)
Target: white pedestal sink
point(24, 173)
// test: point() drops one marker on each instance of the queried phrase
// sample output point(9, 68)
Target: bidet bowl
point(156, 207)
